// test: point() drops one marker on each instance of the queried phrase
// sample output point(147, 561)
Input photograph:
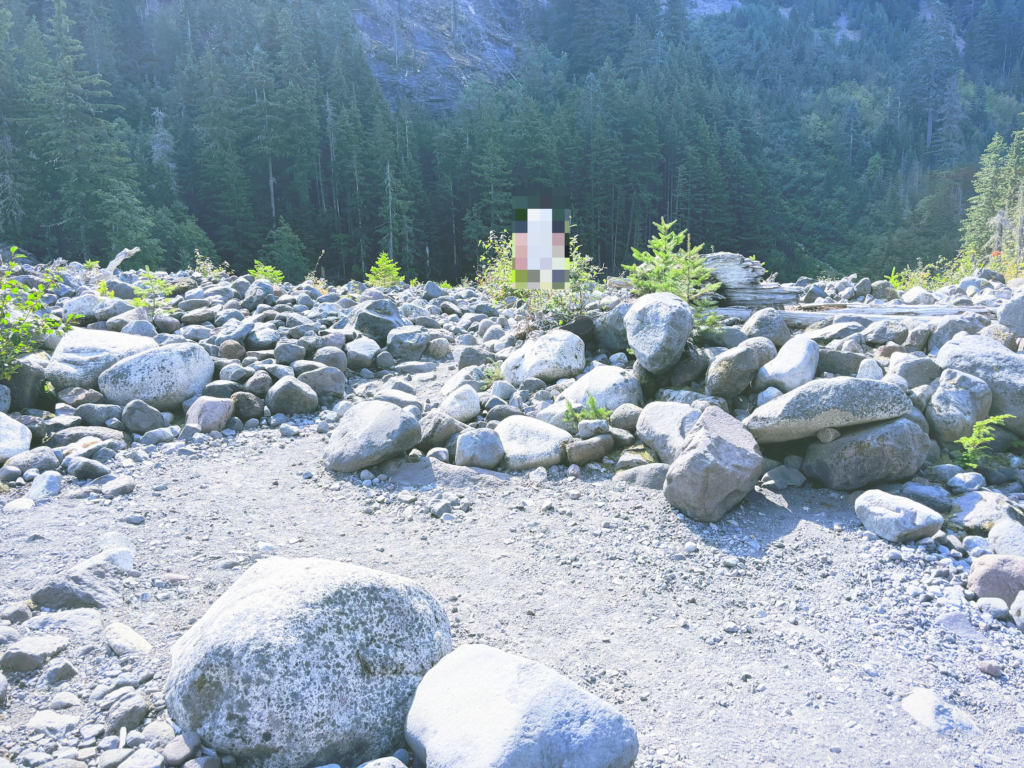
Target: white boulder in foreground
point(483, 708)
point(306, 662)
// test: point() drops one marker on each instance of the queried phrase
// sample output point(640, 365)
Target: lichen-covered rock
point(306, 662)
point(83, 354)
point(164, 377)
point(555, 355)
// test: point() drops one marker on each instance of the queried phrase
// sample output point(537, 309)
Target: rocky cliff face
point(427, 50)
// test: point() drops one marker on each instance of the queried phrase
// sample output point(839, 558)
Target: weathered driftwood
point(740, 278)
point(798, 318)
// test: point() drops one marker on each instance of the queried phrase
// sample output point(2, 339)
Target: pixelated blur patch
point(541, 228)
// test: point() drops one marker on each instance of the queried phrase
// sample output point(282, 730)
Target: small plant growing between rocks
point(154, 291)
point(385, 273)
point(977, 444)
point(263, 271)
point(589, 411)
point(24, 318)
point(204, 266)
point(492, 373)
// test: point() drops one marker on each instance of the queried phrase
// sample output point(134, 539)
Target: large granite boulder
point(609, 386)
point(531, 443)
point(894, 518)
point(306, 662)
point(959, 402)
point(164, 377)
point(83, 354)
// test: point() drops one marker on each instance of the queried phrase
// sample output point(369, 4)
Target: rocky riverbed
point(697, 578)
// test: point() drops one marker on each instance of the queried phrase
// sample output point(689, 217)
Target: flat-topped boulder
point(822, 403)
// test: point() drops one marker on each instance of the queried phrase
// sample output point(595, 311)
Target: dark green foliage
point(24, 318)
point(284, 251)
point(829, 137)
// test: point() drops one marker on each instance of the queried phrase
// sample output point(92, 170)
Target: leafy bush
point(92, 265)
point(24, 318)
point(104, 291)
point(154, 291)
point(492, 373)
point(385, 273)
point(263, 271)
point(977, 444)
point(204, 266)
point(496, 277)
point(672, 264)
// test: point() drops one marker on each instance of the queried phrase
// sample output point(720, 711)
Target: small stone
point(827, 435)
point(990, 668)
point(123, 640)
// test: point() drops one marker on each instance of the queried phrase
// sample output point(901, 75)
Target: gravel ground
point(782, 636)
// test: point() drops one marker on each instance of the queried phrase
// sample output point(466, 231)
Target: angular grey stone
point(917, 371)
point(1007, 538)
point(731, 372)
point(140, 417)
point(839, 402)
point(610, 329)
point(948, 327)
point(877, 453)
point(647, 476)
point(376, 319)
point(479, 448)
point(658, 326)
point(663, 427)
point(369, 433)
point(770, 324)
point(32, 652)
point(407, 343)
point(534, 717)
point(290, 395)
point(249, 675)
point(959, 402)
point(719, 464)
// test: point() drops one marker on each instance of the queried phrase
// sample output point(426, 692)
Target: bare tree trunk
point(273, 207)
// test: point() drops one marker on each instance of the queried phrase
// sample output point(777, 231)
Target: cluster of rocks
point(984, 288)
point(704, 416)
point(300, 662)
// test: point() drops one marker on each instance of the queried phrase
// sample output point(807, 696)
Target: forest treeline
point(817, 135)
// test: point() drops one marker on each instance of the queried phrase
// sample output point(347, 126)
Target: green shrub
point(496, 277)
point(492, 373)
point(385, 273)
point(24, 319)
point(154, 291)
point(977, 444)
point(589, 411)
point(204, 266)
point(672, 264)
point(263, 271)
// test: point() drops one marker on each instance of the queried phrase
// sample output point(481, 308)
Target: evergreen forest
point(821, 136)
